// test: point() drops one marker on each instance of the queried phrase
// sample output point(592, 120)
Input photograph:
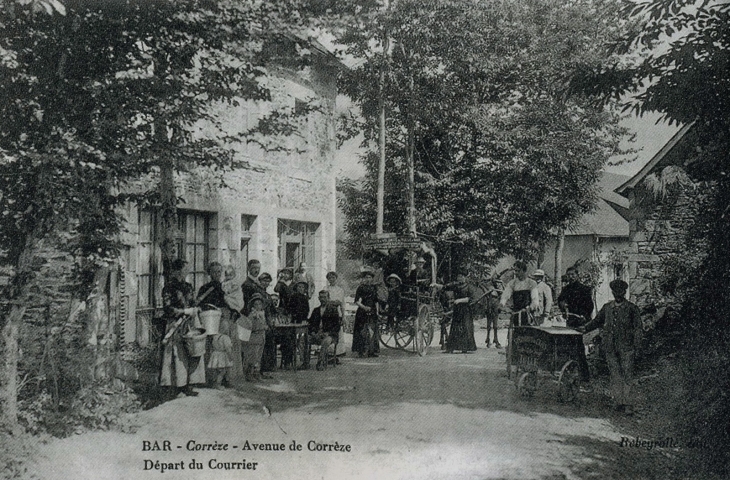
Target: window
point(298, 243)
point(191, 244)
point(246, 235)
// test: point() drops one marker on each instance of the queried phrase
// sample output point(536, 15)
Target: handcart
point(538, 353)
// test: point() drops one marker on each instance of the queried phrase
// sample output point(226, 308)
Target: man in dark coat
point(621, 329)
point(576, 299)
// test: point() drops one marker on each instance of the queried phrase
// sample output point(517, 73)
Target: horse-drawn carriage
point(420, 311)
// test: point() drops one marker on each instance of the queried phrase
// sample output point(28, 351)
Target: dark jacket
point(329, 321)
point(298, 307)
point(621, 326)
point(579, 299)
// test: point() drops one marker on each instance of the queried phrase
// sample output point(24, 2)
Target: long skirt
point(178, 368)
point(268, 359)
point(461, 336)
point(365, 333)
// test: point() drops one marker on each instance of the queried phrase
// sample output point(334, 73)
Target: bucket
point(211, 320)
point(195, 342)
point(244, 334)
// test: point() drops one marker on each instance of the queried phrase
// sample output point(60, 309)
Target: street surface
point(442, 416)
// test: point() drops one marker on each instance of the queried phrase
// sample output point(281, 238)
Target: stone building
point(661, 211)
point(279, 208)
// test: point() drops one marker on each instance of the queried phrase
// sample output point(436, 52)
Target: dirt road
point(392, 417)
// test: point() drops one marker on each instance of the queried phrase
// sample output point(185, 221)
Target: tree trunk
point(10, 334)
point(559, 262)
point(167, 217)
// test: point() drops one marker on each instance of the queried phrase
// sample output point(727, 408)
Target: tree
point(476, 95)
point(675, 61)
point(108, 94)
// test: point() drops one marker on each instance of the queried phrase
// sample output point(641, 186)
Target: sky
point(650, 137)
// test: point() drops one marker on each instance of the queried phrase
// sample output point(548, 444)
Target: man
point(324, 328)
point(523, 293)
point(576, 299)
point(419, 276)
point(544, 294)
point(303, 275)
point(621, 325)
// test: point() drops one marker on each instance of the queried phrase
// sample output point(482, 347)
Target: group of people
point(246, 342)
point(619, 321)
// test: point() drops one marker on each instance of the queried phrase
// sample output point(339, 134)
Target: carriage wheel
point(386, 333)
point(527, 384)
point(569, 382)
point(423, 327)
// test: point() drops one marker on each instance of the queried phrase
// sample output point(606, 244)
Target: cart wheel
point(527, 384)
point(395, 336)
point(404, 332)
point(568, 382)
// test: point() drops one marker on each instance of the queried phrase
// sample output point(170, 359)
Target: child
point(254, 348)
point(232, 290)
point(393, 307)
point(221, 355)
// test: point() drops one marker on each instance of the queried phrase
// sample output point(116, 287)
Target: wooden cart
point(536, 354)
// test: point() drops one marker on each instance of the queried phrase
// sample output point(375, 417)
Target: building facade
point(280, 208)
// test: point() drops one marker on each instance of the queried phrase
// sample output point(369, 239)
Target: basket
point(211, 320)
point(195, 342)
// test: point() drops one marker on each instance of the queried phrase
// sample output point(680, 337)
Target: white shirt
point(516, 285)
point(545, 297)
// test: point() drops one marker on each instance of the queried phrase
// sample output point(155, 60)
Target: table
point(296, 334)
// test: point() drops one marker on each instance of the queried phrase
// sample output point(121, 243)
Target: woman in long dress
point(364, 334)
point(179, 371)
point(461, 335)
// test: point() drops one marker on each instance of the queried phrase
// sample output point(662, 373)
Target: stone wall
point(296, 183)
point(658, 229)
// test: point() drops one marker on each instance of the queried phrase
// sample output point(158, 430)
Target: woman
point(212, 295)
point(268, 360)
point(364, 335)
point(461, 336)
point(179, 371)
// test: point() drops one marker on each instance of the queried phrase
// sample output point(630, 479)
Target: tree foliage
point(98, 95)
point(675, 61)
point(503, 152)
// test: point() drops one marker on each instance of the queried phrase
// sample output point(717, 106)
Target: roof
point(658, 157)
point(606, 220)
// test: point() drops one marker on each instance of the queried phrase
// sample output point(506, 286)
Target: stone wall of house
point(658, 229)
point(294, 183)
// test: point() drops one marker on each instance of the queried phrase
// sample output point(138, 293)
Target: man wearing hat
point(620, 321)
point(419, 276)
point(544, 295)
point(364, 337)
